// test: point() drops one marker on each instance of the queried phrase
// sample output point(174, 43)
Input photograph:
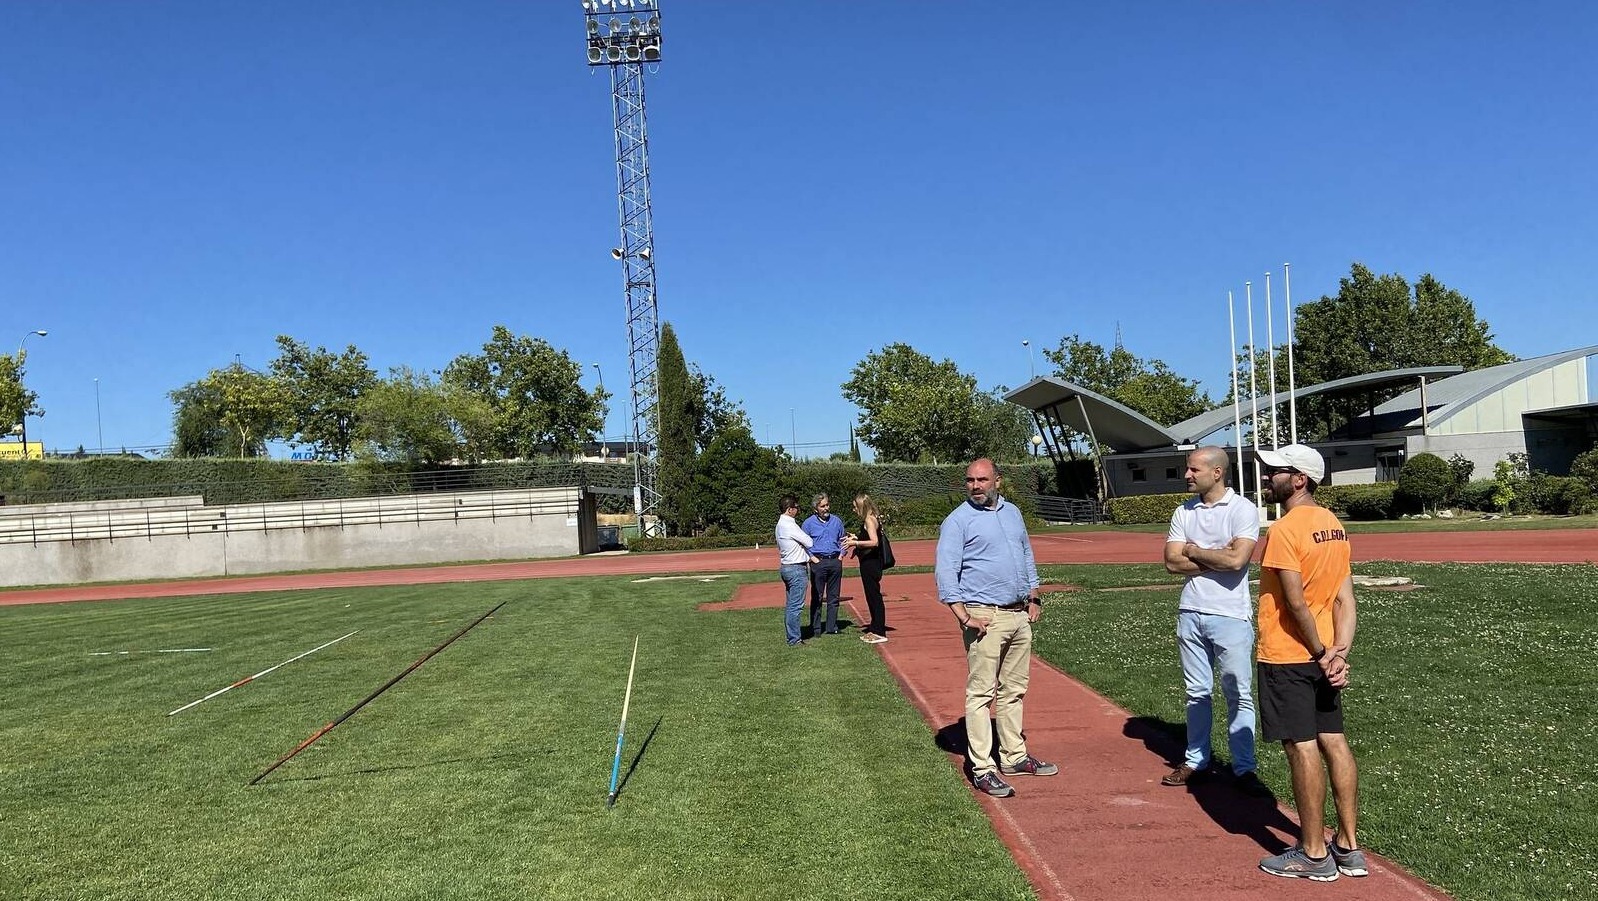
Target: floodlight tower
point(625, 36)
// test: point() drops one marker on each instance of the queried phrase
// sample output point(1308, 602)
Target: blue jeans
point(1229, 643)
point(796, 576)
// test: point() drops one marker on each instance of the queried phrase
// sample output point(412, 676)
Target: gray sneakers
point(1296, 864)
point(1350, 861)
point(990, 783)
point(1029, 766)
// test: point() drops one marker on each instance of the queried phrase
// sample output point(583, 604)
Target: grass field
point(756, 771)
point(1471, 712)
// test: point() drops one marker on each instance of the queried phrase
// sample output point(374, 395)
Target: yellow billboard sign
point(12, 450)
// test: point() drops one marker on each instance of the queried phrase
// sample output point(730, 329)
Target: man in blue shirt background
point(987, 578)
point(826, 564)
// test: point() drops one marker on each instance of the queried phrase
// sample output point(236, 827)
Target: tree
point(1005, 429)
point(737, 482)
point(1426, 479)
point(197, 429)
point(716, 413)
point(679, 415)
point(534, 393)
point(1376, 322)
point(247, 407)
point(1150, 386)
point(411, 418)
point(323, 389)
point(914, 409)
point(15, 399)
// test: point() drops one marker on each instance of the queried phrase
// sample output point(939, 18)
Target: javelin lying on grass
point(248, 679)
point(368, 699)
point(615, 766)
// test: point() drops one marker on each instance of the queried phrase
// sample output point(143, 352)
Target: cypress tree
point(678, 420)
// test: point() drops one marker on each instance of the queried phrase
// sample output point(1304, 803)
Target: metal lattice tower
point(625, 36)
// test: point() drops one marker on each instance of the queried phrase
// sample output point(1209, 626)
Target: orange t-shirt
point(1310, 541)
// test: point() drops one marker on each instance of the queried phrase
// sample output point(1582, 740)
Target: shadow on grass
point(622, 785)
point(400, 768)
point(1259, 818)
point(951, 740)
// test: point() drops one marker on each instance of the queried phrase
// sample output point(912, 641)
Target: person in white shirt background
point(794, 547)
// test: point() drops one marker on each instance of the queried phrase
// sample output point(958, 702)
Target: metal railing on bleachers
point(149, 522)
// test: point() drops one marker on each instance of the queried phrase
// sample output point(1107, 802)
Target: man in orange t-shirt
point(1306, 629)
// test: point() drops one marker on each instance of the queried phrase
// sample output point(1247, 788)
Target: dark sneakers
point(1294, 863)
point(1029, 766)
point(1249, 784)
point(1350, 861)
point(990, 783)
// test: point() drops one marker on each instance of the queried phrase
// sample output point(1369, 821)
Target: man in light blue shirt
point(987, 578)
point(826, 564)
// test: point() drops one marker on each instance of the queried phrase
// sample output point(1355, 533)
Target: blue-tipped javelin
point(615, 766)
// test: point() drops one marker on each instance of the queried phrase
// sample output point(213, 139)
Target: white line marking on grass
point(158, 651)
point(248, 679)
point(681, 578)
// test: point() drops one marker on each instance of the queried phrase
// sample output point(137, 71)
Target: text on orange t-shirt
point(1310, 541)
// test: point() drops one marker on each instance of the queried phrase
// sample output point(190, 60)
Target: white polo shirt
point(1214, 526)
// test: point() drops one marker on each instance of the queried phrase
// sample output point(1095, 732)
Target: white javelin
point(258, 675)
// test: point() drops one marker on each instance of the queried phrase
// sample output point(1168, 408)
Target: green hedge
point(1359, 502)
point(699, 542)
point(258, 481)
point(1353, 502)
point(913, 497)
point(1145, 508)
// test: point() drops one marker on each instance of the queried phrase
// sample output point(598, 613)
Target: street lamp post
point(1037, 442)
point(22, 356)
point(99, 430)
point(1031, 359)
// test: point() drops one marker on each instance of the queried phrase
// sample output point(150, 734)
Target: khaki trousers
point(999, 662)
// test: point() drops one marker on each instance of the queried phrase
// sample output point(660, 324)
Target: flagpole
point(1237, 399)
point(1292, 387)
point(1253, 393)
point(1270, 352)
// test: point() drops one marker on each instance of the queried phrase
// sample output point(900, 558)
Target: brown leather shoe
point(1182, 775)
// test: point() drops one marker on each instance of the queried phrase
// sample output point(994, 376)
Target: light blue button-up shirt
point(984, 556)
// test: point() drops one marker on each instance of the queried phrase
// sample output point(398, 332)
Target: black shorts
point(1297, 702)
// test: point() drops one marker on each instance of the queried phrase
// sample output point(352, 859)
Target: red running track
point(1538, 546)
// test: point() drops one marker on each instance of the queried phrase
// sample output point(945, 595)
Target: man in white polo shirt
point(1211, 539)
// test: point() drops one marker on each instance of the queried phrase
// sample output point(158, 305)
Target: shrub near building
point(1425, 482)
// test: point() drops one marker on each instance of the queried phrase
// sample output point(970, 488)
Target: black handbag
point(884, 547)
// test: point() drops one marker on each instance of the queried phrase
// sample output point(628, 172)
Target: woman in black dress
point(867, 547)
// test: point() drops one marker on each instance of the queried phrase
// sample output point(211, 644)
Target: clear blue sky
point(182, 181)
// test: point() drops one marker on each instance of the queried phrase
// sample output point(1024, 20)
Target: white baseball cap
point(1301, 457)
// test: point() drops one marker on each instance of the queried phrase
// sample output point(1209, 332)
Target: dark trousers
point(871, 580)
point(826, 578)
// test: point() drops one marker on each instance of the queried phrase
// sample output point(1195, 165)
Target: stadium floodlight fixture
point(644, 254)
point(617, 253)
point(617, 40)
